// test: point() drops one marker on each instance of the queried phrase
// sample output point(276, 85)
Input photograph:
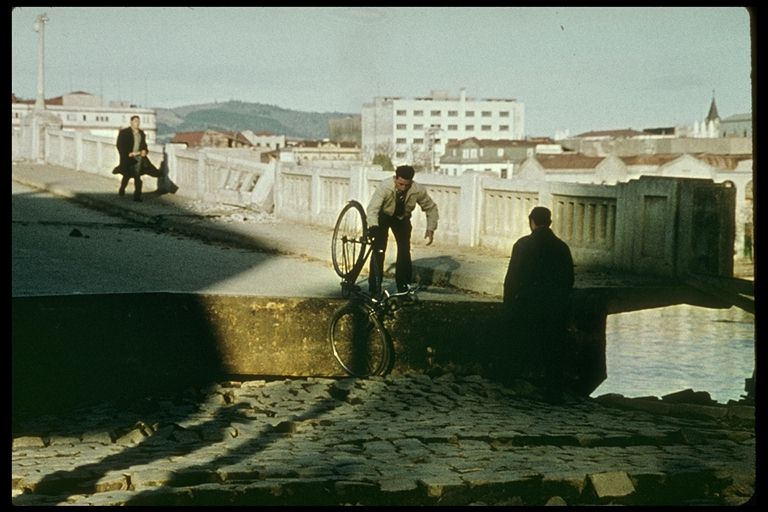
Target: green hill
point(240, 116)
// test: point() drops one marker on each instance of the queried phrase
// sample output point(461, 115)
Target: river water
point(655, 352)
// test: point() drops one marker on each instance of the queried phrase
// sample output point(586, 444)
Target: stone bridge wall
point(653, 225)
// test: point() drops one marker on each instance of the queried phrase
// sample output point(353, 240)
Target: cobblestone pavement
point(402, 439)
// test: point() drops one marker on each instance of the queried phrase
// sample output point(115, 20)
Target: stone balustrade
point(654, 225)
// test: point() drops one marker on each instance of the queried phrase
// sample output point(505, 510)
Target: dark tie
point(399, 203)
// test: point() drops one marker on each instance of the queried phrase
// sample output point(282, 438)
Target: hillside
point(239, 116)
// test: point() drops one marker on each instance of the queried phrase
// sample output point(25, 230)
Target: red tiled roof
point(568, 161)
point(498, 143)
point(617, 134)
point(188, 138)
point(655, 159)
point(195, 138)
point(237, 136)
point(729, 162)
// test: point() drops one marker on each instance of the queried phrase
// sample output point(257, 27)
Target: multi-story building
point(84, 112)
point(499, 157)
point(416, 130)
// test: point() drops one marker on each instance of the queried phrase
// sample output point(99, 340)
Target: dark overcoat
point(124, 147)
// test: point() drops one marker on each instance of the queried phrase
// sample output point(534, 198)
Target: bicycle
point(358, 337)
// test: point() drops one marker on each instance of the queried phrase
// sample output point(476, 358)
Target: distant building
point(650, 141)
point(311, 150)
point(573, 168)
point(84, 112)
point(610, 134)
point(735, 169)
point(737, 125)
point(499, 157)
point(264, 139)
point(417, 130)
point(211, 139)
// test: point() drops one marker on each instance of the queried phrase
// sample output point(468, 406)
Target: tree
point(384, 161)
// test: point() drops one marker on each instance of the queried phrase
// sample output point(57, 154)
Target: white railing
point(476, 209)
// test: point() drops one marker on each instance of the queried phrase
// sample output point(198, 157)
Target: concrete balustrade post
point(78, 151)
point(470, 199)
point(358, 184)
point(201, 168)
point(315, 196)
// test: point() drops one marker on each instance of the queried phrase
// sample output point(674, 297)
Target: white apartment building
point(84, 112)
point(415, 131)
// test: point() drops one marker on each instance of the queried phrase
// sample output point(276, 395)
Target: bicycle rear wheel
point(349, 242)
point(359, 341)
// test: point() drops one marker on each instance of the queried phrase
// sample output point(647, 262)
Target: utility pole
point(40, 29)
point(39, 119)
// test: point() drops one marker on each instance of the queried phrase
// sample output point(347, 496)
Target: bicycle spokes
point(348, 243)
point(359, 341)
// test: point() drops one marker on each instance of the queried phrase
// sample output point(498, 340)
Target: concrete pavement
point(475, 270)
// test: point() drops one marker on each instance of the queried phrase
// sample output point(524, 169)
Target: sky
point(574, 68)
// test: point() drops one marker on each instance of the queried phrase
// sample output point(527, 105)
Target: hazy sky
point(576, 68)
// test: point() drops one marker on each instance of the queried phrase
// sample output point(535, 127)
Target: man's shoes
point(173, 188)
point(137, 199)
point(121, 191)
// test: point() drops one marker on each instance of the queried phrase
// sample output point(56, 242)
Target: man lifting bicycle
point(390, 208)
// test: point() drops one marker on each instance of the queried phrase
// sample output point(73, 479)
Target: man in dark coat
point(132, 147)
point(537, 290)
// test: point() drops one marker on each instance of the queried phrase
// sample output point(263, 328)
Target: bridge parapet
point(654, 225)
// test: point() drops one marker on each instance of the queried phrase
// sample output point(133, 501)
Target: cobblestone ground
point(408, 439)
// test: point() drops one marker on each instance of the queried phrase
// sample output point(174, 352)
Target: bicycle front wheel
point(349, 242)
point(359, 341)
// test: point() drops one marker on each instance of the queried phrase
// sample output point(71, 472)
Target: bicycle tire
point(349, 243)
point(359, 342)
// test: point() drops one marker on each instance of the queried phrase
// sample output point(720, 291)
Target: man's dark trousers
point(401, 228)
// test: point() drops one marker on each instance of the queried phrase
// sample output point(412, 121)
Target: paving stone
point(437, 485)
point(481, 445)
point(185, 436)
point(96, 436)
point(611, 484)
point(742, 412)
point(112, 481)
point(398, 484)
point(143, 477)
point(241, 472)
point(133, 437)
point(28, 442)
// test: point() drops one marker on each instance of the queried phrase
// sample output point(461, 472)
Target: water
point(660, 351)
